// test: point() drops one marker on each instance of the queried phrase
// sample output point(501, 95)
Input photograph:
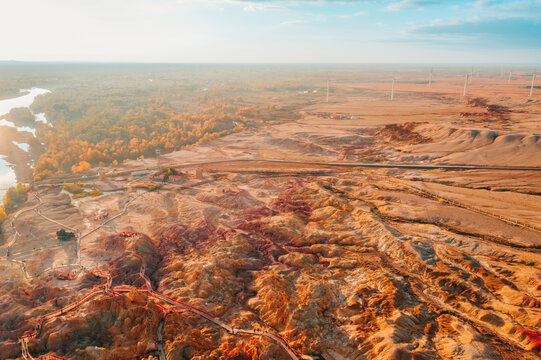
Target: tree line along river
point(7, 174)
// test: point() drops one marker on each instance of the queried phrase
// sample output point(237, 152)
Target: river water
point(7, 175)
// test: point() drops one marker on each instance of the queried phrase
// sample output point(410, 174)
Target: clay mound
point(292, 200)
point(229, 199)
point(344, 140)
point(125, 268)
point(300, 146)
point(104, 329)
point(89, 280)
point(14, 323)
point(115, 243)
point(532, 338)
point(272, 229)
point(182, 238)
point(147, 247)
point(449, 139)
point(479, 147)
point(289, 205)
point(492, 112)
point(125, 271)
point(256, 212)
point(403, 133)
point(512, 150)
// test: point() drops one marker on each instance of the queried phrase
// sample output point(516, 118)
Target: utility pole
point(158, 152)
point(471, 74)
point(430, 78)
point(392, 91)
point(465, 85)
point(327, 90)
point(509, 78)
point(533, 81)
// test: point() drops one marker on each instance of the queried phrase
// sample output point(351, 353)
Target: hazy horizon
point(89, 62)
point(274, 31)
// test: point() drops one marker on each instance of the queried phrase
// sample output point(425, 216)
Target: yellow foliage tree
point(82, 166)
point(14, 197)
point(3, 214)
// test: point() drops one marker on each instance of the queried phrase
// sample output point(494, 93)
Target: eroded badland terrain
point(337, 262)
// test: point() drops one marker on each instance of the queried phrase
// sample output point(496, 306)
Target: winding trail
point(114, 291)
point(17, 235)
point(159, 335)
point(12, 223)
point(108, 290)
point(78, 237)
point(22, 264)
point(205, 314)
point(123, 212)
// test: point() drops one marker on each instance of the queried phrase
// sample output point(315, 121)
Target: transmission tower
point(158, 152)
point(327, 90)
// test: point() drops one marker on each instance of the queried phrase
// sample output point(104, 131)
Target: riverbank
point(12, 163)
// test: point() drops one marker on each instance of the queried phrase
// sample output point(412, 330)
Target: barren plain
point(339, 262)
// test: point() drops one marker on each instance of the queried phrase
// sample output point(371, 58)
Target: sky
point(246, 31)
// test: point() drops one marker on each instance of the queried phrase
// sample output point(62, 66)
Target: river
point(7, 174)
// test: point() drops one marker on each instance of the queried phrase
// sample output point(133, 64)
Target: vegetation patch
point(91, 193)
point(74, 188)
point(148, 186)
point(15, 196)
point(21, 117)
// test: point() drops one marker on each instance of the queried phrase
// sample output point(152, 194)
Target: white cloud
point(229, 30)
point(258, 6)
point(358, 13)
point(292, 22)
point(408, 4)
point(506, 9)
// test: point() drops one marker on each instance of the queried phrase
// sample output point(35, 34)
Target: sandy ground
point(372, 264)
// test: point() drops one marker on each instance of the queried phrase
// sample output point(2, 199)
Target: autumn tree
point(14, 197)
point(21, 117)
point(82, 166)
point(3, 214)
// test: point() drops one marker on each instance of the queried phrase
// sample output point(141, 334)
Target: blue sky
point(365, 31)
